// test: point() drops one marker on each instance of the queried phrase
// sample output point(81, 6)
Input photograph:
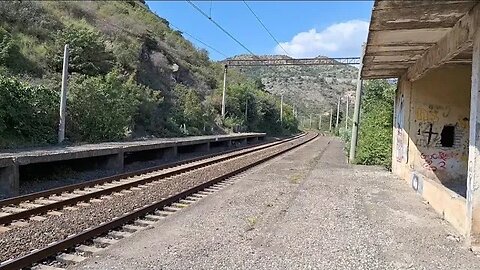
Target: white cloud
point(337, 40)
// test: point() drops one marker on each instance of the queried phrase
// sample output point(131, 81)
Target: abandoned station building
point(433, 48)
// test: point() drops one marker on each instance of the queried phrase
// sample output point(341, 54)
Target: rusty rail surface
point(56, 247)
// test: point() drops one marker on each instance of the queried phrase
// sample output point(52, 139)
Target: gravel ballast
point(20, 240)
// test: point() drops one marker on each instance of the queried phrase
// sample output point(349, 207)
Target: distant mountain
point(312, 89)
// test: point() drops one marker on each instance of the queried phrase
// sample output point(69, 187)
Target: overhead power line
point(220, 27)
point(265, 27)
point(178, 29)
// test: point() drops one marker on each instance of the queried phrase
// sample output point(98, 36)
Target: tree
point(88, 53)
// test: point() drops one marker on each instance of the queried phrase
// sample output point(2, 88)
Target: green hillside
point(131, 75)
point(312, 89)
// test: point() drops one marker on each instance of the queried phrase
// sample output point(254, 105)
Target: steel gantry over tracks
point(292, 61)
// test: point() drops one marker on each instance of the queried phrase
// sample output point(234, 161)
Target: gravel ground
point(75, 177)
point(307, 209)
point(20, 240)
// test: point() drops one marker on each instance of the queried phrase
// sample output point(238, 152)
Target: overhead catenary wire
point(220, 27)
point(200, 41)
point(265, 27)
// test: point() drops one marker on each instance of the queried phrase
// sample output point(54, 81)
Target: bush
point(87, 52)
point(28, 114)
point(103, 108)
point(375, 134)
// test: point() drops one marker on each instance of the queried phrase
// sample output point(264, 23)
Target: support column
point(170, 153)
point(473, 178)
point(115, 162)
point(9, 180)
point(356, 112)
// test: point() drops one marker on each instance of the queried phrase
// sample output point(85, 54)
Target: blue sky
point(304, 28)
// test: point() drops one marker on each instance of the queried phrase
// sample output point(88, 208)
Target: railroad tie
point(88, 250)
point(187, 201)
point(132, 228)
point(153, 217)
point(102, 241)
point(69, 258)
point(45, 267)
point(143, 223)
point(171, 209)
point(119, 234)
point(163, 213)
point(13, 209)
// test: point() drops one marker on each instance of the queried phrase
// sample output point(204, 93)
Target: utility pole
point(310, 121)
point(320, 122)
point(346, 115)
point(63, 96)
point(224, 91)
point(338, 113)
point(246, 110)
point(356, 112)
point(331, 119)
point(281, 108)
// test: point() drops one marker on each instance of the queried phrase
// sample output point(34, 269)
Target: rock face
point(312, 89)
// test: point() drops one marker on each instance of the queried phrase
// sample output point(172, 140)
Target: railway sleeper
point(87, 250)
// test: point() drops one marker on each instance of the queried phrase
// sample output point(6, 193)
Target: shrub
point(28, 114)
point(87, 51)
point(103, 108)
point(375, 134)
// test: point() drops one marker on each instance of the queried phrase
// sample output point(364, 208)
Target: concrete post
point(346, 115)
point(331, 119)
point(338, 114)
point(320, 122)
point(224, 90)
point(9, 180)
point(281, 108)
point(63, 96)
point(356, 112)
point(473, 178)
point(310, 121)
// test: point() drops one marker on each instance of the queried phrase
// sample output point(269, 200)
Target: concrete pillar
point(243, 142)
point(9, 180)
point(252, 140)
point(115, 162)
point(204, 147)
point(473, 178)
point(169, 152)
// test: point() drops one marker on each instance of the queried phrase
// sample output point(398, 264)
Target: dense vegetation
point(131, 76)
point(376, 123)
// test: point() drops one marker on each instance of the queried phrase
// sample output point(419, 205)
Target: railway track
point(25, 206)
point(34, 205)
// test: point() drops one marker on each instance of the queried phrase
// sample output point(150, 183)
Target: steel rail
point(109, 190)
point(108, 179)
point(55, 247)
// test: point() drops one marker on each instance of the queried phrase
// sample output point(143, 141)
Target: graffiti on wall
point(440, 160)
point(442, 139)
point(429, 129)
point(401, 149)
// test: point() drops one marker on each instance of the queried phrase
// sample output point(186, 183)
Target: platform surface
point(307, 209)
point(53, 153)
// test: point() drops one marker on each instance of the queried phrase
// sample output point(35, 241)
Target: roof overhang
point(411, 37)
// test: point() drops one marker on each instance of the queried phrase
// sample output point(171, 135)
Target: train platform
point(110, 155)
point(307, 209)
